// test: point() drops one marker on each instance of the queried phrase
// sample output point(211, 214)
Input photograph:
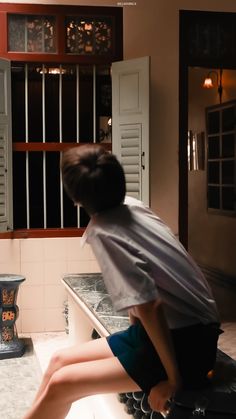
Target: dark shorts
point(195, 348)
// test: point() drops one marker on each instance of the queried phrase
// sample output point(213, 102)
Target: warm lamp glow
point(208, 83)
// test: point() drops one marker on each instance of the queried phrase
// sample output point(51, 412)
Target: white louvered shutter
point(130, 154)
point(5, 147)
point(130, 123)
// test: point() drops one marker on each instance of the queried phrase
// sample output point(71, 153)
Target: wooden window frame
point(60, 12)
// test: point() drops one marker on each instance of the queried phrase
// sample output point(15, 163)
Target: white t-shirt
point(141, 260)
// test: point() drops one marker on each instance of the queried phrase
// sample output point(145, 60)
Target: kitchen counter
point(90, 292)
point(89, 310)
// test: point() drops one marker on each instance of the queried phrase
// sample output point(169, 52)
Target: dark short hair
point(93, 177)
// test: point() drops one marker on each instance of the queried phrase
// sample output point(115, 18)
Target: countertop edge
point(89, 313)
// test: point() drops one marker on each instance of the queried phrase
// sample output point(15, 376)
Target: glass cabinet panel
point(31, 33)
point(88, 36)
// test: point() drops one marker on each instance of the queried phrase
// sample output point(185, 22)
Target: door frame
point(186, 60)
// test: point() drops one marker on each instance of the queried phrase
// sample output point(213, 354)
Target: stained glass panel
point(88, 36)
point(31, 33)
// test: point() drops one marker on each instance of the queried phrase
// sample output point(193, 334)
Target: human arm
point(132, 318)
point(152, 317)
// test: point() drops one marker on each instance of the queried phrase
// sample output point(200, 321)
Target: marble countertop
point(91, 289)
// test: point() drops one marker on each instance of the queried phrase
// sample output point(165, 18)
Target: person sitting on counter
point(171, 342)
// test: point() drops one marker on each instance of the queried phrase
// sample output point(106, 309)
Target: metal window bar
point(27, 153)
point(61, 140)
point(60, 136)
point(43, 34)
point(44, 153)
point(94, 104)
point(77, 127)
point(26, 34)
point(77, 104)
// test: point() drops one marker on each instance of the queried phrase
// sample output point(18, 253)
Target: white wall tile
point(76, 252)
point(95, 266)
point(33, 272)
point(55, 296)
point(11, 267)
point(32, 297)
point(43, 262)
point(32, 250)
point(55, 249)
point(32, 321)
point(81, 266)
point(9, 251)
point(54, 271)
point(54, 319)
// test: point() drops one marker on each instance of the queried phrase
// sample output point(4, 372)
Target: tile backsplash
point(43, 262)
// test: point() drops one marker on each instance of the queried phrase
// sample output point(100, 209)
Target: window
point(54, 108)
point(61, 96)
point(221, 137)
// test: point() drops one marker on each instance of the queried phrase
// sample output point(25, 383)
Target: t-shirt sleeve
point(126, 272)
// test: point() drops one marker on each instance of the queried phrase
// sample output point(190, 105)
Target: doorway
point(206, 44)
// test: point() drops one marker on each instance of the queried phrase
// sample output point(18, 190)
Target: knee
point(56, 362)
point(58, 387)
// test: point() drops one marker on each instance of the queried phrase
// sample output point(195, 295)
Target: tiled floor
point(20, 376)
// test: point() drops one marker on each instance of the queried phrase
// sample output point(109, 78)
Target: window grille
point(52, 108)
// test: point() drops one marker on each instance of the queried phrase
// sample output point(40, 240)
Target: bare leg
point(73, 382)
point(88, 351)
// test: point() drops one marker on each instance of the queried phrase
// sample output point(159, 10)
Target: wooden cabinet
point(48, 33)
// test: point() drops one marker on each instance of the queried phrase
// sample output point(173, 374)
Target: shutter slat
point(130, 177)
point(131, 168)
point(130, 157)
point(130, 151)
point(133, 187)
point(130, 160)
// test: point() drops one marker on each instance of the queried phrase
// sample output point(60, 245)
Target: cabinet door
point(130, 123)
point(5, 147)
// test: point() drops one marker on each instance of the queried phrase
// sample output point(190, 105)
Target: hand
point(160, 395)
